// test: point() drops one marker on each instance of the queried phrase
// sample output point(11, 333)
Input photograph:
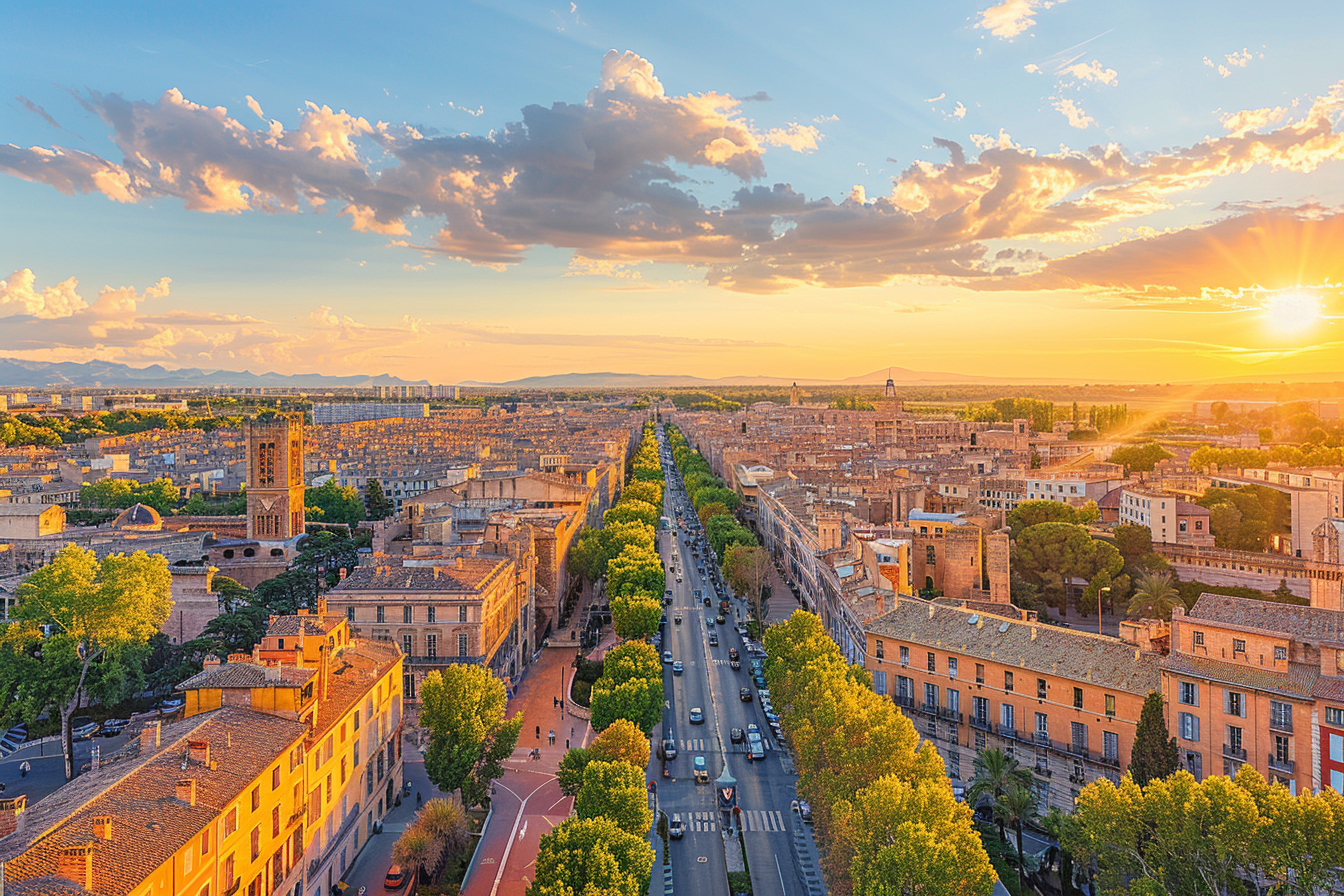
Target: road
point(766, 788)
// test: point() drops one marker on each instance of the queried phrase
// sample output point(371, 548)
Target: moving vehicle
point(701, 770)
point(667, 656)
point(721, 619)
point(733, 654)
point(677, 619)
point(734, 665)
point(677, 668)
point(713, 639)
point(396, 878)
point(675, 829)
point(737, 735)
point(744, 694)
point(697, 716)
point(753, 728)
point(708, 602)
point(669, 747)
point(755, 750)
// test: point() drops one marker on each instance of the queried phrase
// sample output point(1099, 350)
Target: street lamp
point(1100, 592)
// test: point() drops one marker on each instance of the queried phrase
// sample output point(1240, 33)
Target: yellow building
point(272, 782)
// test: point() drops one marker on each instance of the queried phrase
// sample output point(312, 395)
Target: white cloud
point(17, 296)
point(255, 107)
point(1235, 59)
point(794, 136)
point(1073, 112)
point(1012, 17)
point(1092, 72)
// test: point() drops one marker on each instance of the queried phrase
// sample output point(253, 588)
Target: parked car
point(113, 727)
point(697, 715)
point(737, 735)
point(744, 694)
point(396, 878)
point(87, 729)
point(667, 656)
point(805, 811)
point(753, 728)
point(675, 829)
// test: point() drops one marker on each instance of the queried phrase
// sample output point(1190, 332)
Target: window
point(356, 720)
point(1280, 715)
point(349, 614)
point(1040, 688)
point(1077, 698)
point(1198, 638)
point(228, 873)
point(1110, 705)
point(1042, 726)
point(933, 663)
point(1281, 748)
point(343, 768)
point(461, 645)
point(407, 642)
point(328, 788)
point(1234, 703)
point(979, 673)
point(980, 709)
point(429, 614)
point(1280, 652)
point(1078, 731)
point(406, 614)
point(931, 696)
point(905, 687)
point(382, 616)
point(205, 842)
point(1188, 726)
point(879, 649)
point(1189, 693)
point(256, 798)
point(1334, 716)
point(462, 613)
point(432, 645)
point(954, 699)
point(256, 843)
point(1238, 645)
point(879, 682)
point(1006, 716)
point(905, 656)
point(1110, 745)
point(930, 556)
point(275, 778)
point(275, 822)
point(1234, 734)
point(951, 667)
point(231, 821)
point(1008, 681)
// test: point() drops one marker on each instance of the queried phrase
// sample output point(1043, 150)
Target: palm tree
point(995, 773)
point(445, 823)
point(1154, 596)
point(1014, 807)
point(413, 850)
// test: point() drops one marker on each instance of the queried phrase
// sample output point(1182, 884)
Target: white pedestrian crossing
point(702, 821)
point(693, 744)
point(763, 820)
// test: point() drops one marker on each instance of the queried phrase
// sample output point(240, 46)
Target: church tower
point(274, 476)
point(795, 397)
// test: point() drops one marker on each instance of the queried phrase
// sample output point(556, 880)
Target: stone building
point(275, 483)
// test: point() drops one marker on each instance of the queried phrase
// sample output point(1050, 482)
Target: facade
point(30, 520)
point(1064, 703)
point(325, 414)
point(275, 484)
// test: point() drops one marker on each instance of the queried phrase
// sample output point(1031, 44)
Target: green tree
point(1154, 596)
point(98, 617)
point(591, 857)
point(636, 570)
point(1140, 458)
point(414, 851)
point(569, 774)
point(1015, 808)
point(1133, 542)
point(708, 511)
point(1032, 513)
point(463, 707)
point(628, 510)
point(445, 821)
point(196, 506)
point(747, 569)
point(650, 493)
point(635, 615)
point(622, 741)
point(615, 790)
point(995, 774)
point(1048, 554)
point(331, 503)
point(631, 687)
point(380, 508)
point(1155, 754)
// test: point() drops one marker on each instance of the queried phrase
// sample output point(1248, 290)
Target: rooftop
point(1302, 623)
point(229, 676)
point(468, 578)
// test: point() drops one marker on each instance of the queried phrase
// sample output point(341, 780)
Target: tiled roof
point(354, 669)
point(302, 625)
point(247, 675)
point(1307, 623)
point(1298, 681)
point(1079, 656)
point(149, 822)
point(469, 579)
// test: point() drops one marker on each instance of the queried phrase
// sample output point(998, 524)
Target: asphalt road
point(766, 788)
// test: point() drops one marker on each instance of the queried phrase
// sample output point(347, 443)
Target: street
point(780, 852)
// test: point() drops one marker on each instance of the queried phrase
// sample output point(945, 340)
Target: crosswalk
point(702, 821)
point(763, 820)
point(694, 744)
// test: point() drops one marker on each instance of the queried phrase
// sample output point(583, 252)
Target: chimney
point(75, 864)
point(930, 610)
point(186, 790)
point(11, 811)
point(240, 657)
point(102, 827)
point(461, 564)
point(212, 662)
point(149, 737)
point(343, 572)
point(199, 751)
point(1033, 633)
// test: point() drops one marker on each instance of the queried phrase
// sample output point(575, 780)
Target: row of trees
point(1256, 458)
point(882, 803)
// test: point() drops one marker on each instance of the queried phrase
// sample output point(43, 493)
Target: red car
point(396, 878)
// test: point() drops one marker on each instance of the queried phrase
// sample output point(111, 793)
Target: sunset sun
point(1291, 313)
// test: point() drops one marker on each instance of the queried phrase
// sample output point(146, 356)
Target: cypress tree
point(379, 507)
point(1155, 753)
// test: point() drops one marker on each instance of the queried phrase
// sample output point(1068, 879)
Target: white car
point(667, 656)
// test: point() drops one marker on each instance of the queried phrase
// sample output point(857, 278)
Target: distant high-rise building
point(326, 414)
point(274, 476)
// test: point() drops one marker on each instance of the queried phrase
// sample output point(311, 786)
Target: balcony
point(1286, 766)
point(1041, 737)
point(1281, 725)
point(949, 715)
point(929, 709)
point(981, 723)
point(1234, 752)
point(1043, 770)
point(1077, 778)
point(1007, 731)
point(1108, 759)
point(903, 702)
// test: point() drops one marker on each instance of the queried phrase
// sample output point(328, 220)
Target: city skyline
point(1028, 189)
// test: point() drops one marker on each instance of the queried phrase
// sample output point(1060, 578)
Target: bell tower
point(274, 476)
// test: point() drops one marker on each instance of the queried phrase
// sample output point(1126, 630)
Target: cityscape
point(590, 449)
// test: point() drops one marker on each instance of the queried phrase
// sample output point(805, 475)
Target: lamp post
point(1100, 592)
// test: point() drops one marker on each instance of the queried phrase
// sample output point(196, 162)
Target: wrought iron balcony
point(1282, 765)
point(1234, 752)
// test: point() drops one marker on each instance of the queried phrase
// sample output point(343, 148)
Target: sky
point(1102, 191)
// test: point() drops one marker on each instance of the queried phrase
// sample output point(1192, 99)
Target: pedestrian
point(538, 732)
point(553, 703)
point(566, 743)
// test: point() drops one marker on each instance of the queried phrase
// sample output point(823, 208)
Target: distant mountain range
point(108, 374)
point(900, 375)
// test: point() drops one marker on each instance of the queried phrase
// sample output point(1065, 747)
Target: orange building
point(1064, 703)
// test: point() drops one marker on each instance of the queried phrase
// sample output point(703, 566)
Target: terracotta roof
point(1307, 623)
point(247, 675)
point(1298, 681)
point(1079, 656)
point(149, 822)
point(469, 579)
point(354, 669)
point(302, 625)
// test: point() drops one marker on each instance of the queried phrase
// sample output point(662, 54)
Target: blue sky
point(612, 234)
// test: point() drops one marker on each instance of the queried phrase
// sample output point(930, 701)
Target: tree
point(1155, 754)
point(569, 774)
point(330, 503)
point(380, 508)
point(995, 774)
point(196, 506)
point(630, 509)
point(1014, 808)
point(1154, 596)
point(99, 617)
point(622, 741)
point(631, 687)
point(463, 706)
point(615, 790)
point(1133, 542)
point(635, 615)
point(1049, 554)
point(708, 511)
point(414, 850)
point(1032, 513)
point(650, 493)
point(445, 821)
point(912, 838)
point(636, 570)
point(747, 568)
point(1139, 458)
point(591, 857)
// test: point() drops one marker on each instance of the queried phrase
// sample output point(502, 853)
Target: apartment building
point(1076, 488)
point(1170, 518)
point(1261, 683)
point(1064, 703)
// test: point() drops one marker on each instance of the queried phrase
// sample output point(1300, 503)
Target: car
point(708, 602)
point(696, 594)
point(744, 694)
point(663, 621)
point(772, 716)
point(697, 715)
point(669, 747)
point(753, 728)
point(733, 654)
point(713, 640)
point(734, 664)
point(701, 770)
point(396, 878)
point(677, 668)
point(171, 704)
point(85, 730)
point(675, 829)
point(737, 735)
point(755, 750)
point(721, 619)
point(805, 811)
point(765, 696)
point(758, 680)
point(667, 656)
point(678, 578)
point(113, 727)
point(709, 622)
point(677, 619)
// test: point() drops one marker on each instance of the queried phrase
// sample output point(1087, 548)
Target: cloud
point(39, 111)
point(1073, 112)
point(1236, 59)
point(794, 136)
point(1092, 72)
point(1012, 17)
point(255, 107)
point(17, 296)
point(759, 96)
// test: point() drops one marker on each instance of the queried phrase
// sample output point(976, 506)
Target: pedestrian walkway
point(702, 821)
point(763, 820)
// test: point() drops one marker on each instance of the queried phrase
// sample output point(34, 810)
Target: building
point(1065, 703)
point(194, 603)
point(326, 414)
point(1170, 519)
point(1259, 683)
point(31, 520)
point(458, 610)
point(275, 485)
